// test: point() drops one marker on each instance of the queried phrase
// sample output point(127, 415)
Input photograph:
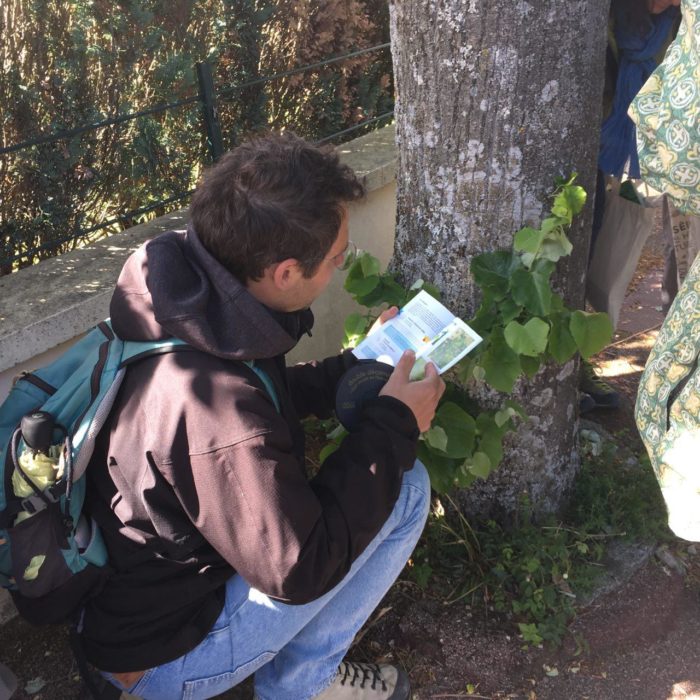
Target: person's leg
point(295, 648)
point(308, 662)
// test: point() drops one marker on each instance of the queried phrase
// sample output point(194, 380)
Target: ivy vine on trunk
point(523, 322)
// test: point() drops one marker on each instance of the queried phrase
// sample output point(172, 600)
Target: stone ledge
point(58, 299)
point(372, 157)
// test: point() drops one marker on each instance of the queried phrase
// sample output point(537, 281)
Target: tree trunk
point(494, 100)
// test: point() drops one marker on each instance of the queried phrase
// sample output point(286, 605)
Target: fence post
point(210, 110)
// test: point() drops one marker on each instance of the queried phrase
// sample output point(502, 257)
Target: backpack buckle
point(36, 503)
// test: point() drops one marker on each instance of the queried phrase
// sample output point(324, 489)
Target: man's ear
point(286, 274)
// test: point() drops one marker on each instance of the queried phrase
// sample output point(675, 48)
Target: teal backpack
point(51, 555)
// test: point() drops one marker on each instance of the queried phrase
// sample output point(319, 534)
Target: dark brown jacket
point(197, 475)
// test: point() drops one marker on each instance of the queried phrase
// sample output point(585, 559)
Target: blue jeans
point(294, 650)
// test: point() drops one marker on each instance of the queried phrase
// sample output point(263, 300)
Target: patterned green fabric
point(667, 114)
point(668, 408)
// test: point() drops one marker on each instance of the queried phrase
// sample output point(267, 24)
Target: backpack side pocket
point(36, 545)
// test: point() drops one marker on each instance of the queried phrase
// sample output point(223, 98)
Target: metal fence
point(209, 97)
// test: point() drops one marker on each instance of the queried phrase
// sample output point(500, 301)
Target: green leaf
point(442, 470)
point(383, 293)
point(337, 434)
point(492, 271)
point(436, 437)
point(530, 365)
point(360, 286)
point(530, 339)
point(486, 315)
point(569, 202)
point(394, 293)
point(556, 245)
point(562, 345)
point(459, 427)
point(530, 633)
point(544, 267)
point(500, 363)
point(421, 285)
point(557, 303)
point(531, 290)
point(503, 416)
point(512, 403)
point(480, 465)
point(485, 424)
point(370, 265)
point(491, 438)
point(592, 332)
point(528, 240)
point(464, 369)
point(327, 451)
point(527, 259)
point(511, 410)
point(509, 309)
point(550, 224)
point(352, 341)
point(463, 478)
point(560, 181)
point(355, 324)
point(432, 290)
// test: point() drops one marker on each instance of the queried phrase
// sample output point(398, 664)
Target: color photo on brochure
point(425, 326)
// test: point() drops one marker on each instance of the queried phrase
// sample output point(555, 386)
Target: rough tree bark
point(493, 101)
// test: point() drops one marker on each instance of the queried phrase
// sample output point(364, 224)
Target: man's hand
point(421, 397)
point(383, 318)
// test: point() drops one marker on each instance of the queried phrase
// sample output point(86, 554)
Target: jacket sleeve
point(292, 538)
point(312, 384)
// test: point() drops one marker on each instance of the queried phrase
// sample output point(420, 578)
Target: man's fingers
point(388, 314)
point(405, 364)
point(431, 370)
point(383, 318)
point(433, 377)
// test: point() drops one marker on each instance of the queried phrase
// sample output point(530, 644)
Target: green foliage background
point(68, 63)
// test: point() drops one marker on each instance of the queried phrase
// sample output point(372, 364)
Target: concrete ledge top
point(372, 157)
point(56, 300)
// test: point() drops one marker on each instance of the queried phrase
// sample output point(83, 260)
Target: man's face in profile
point(310, 288)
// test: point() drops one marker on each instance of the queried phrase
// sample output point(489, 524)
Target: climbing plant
point(524, 324)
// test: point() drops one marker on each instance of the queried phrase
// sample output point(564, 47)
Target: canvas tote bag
point(625, 228)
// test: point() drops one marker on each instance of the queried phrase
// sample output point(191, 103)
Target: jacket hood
point(172, 287)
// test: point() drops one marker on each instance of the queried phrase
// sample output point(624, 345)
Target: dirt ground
point(636, 642)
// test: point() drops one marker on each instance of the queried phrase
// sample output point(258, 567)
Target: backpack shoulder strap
point(136, 351)
point(267, 382)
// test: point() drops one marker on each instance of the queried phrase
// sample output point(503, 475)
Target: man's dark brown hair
point(271, 198)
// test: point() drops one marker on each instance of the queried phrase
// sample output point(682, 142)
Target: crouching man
point(228, 560)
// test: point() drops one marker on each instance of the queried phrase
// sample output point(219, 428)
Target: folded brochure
point(428, 328)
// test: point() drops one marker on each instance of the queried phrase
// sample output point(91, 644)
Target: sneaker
point(359, 681)
point(603, 395)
